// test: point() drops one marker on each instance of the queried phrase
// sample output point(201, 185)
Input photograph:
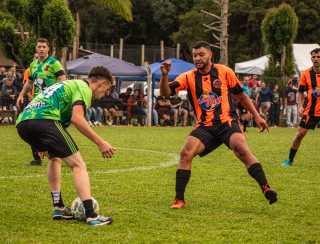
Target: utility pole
point(219, 29)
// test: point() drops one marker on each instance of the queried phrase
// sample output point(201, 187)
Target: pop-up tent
point(120, 69)
point(254, 66)
point(301, 53)
point(178, 66)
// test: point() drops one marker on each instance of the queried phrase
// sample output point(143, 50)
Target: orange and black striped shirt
point(310, 83)
point(210, 94)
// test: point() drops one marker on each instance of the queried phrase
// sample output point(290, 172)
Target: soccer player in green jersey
point(42, 124)
point(44, 72)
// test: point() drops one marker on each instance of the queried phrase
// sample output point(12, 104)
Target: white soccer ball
point(78, 211)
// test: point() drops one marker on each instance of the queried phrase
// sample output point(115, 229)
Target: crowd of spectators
point(271, 103)
point(130, 108)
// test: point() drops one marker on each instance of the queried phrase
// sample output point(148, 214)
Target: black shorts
point(47, 136)
point(309, 122)
point(212, 137)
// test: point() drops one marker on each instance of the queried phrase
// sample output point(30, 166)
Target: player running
point(210, 87)
point(310, 113)
point(44, 71)
point(42, 124)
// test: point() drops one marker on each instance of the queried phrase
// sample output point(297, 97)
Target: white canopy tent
point(301, 53)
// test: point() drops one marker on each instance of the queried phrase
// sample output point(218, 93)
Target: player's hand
point(165, 67)
point(106, 149)
point(261, 123)
point(19, 102)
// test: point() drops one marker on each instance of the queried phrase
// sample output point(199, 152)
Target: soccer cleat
point(178, 203)
point(99, 220)
point(62, 213)
point(287, 163)
point(270, 195)
point(36, 162)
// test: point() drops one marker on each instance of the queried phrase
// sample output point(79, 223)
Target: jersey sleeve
point(303, 83)
point(233, 82)
point(179, 84)
point(57, 69)
point(82, 96)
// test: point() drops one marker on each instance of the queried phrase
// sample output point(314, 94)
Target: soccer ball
point(78, 211)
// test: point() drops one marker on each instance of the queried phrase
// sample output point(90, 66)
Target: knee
point(240, 151)
point(186, 156)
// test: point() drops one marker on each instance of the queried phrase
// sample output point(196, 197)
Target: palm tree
point(120, 7)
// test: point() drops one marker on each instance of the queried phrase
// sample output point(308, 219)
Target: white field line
point(171, 162)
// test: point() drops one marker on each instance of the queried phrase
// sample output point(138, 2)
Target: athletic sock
point(292, 154)
point(88, 206)
point(57, 199)
point(182, 178)
point(35, 154)
point(257, 173)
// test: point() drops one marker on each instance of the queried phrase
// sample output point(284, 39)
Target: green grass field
point(136, 188)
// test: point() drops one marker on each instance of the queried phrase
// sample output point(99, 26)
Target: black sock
point(35, 154)
point(257, 173)
point(292, 154)
point(182, 178)
point(245, 124)
point(57, 199)
point(88, 206)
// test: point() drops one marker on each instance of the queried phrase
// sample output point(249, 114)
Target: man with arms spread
point(44, 71)
point(210, 87)
point(309, 83)
point(42, 124)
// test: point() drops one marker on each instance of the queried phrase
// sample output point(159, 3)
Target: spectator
point(175, 102)
point(275, 106)
point(9, 93)
point(124, 97)
point(155, 116)
point(263, 99)
point(2, 73)
point(186, 112)
point(163, 107)
point(95, 114)
point(290, 103)
point(110, 106)
point(245, 86)
point(254, 81)
point(254, 93)
point(138, 106)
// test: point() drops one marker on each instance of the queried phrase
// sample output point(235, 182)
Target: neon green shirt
point(56, 102)
point(45, 74)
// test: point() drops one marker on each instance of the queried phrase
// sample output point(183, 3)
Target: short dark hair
point(43, 40)
point(316, 50)
point(200, 44)
point(100, 72)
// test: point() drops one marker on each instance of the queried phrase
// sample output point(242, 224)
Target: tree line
point(149, 21)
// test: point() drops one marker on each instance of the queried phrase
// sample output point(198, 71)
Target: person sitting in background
point(9, 93)
point(110, 106)
point(185, 112)
point(95, 114)
point(175, 102)
point(124, 97)
point(136, 107)
point(163, 107)
point(2, 73)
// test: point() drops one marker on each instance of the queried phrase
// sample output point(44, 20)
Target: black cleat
point(36, 162)
point(271, 196)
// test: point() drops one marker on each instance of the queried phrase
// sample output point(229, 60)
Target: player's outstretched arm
point(79, 121)
point(164, 81)
point(247, 103)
